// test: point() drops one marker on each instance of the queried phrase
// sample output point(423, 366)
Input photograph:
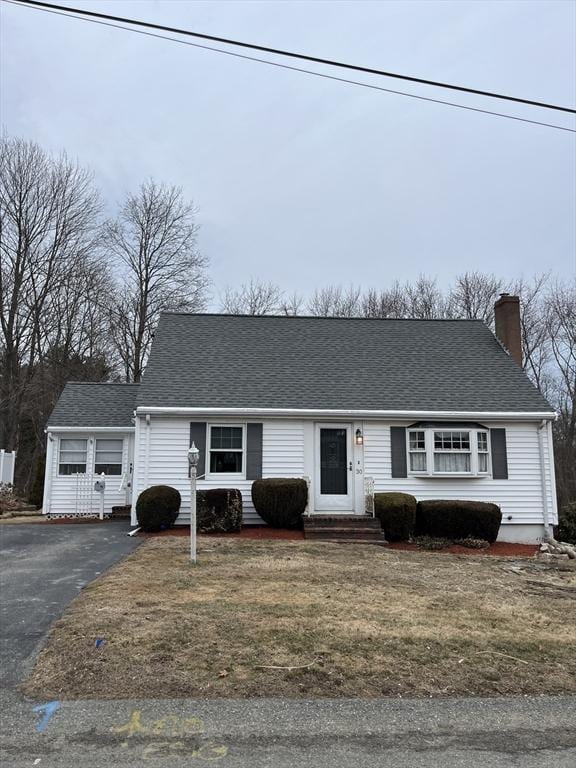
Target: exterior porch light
point(359, 437)
point(193, 457)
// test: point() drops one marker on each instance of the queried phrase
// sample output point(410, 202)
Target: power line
point(298, 69)
point(293, 55)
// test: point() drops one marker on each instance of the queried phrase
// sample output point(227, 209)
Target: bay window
point(445, 452)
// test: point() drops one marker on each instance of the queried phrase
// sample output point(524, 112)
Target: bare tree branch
point(335, 301)
point(48, 223)
point(154, 244)
point(253, 298)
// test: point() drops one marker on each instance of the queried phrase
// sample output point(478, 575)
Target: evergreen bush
point(280, 501)
point(157, 507)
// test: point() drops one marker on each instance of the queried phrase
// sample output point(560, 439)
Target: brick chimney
point(507, 321)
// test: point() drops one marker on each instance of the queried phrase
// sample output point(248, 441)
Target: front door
point(334, 475)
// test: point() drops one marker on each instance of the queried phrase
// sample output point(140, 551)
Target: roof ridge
point(329, 317)
point(106, 383)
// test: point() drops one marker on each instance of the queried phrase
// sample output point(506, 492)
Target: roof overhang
point(311, 413)
point(84, 428)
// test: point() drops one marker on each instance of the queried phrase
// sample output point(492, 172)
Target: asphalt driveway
point(43, 568)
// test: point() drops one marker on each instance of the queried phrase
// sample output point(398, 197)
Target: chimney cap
point(507, 297)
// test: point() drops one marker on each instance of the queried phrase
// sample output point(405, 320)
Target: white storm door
point(334, 469)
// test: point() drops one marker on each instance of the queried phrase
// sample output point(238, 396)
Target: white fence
point(7, 462)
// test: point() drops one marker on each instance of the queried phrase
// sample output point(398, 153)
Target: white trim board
point(86, 429)
point(346, 414)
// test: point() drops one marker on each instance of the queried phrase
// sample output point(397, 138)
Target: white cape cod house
point(435, 408)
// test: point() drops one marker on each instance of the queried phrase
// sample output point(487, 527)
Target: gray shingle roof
point(87, 404)
point(332, 363)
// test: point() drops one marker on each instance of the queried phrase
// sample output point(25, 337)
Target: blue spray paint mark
point(100, 642)
point(49, 709)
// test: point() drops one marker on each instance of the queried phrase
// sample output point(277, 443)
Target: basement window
point(72, 459)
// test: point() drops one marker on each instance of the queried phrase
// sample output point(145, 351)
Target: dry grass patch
point(280, 618)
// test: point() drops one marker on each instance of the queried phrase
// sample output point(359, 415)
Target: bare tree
point(562, 331)
point(292, 305)
point(154, 243)
point(253, 298)
point(48, 223)
point(389, 303)
point(425, 301)
point(335, 301)
point(534, 327)
point(473, 296)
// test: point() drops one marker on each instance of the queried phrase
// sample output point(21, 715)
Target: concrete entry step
point(342, 521)
point(337, 530)
point(344, 528)
point(121, 512)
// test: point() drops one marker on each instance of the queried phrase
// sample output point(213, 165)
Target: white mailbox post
point(193, 456)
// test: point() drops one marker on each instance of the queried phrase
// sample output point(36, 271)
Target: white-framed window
point(226, 449)
point(72, 455)
point(417, 450)
point(108, 456)
point(448, 452)
point(483, 453)
point(452, 452)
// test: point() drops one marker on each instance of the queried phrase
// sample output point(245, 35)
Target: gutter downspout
point(548, 532)
point(147, 457)
point(47, 491)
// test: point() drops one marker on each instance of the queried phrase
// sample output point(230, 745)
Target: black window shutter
point(253, 451)
point(198, 437)
point(398, 440)
point(499, 455)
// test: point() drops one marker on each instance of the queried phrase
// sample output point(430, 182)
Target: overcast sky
point(305, 181)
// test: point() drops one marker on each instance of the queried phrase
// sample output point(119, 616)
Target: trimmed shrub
point(397, 513)
point(157, 507)
point(454, 519)
point(219, 510)
point(280, 501)
point(566, 530)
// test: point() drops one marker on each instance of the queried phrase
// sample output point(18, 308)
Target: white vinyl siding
point(63, 491)
point(288, 451)
point(283, 449)
point(519, 496)
point(166, 462)
point(162, 459)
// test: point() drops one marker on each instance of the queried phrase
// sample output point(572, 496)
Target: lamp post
point(193, 456)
